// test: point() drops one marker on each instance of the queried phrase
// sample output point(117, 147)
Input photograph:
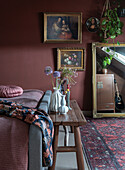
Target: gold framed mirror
point(108, 87)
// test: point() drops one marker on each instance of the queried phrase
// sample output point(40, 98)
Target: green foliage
point(111, 26)
point(106, 62)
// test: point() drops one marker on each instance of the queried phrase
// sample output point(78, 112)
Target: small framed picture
point(92, 24)
point(71, 57)
point(63, 27)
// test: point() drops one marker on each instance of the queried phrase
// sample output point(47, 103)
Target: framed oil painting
point(71, 57)
point(62, 27)
point(93, 24)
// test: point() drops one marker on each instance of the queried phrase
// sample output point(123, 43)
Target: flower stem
point(51, 80)
point(56, 82)
point(59, 84)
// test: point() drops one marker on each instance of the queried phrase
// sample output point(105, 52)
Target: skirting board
point(87, 113)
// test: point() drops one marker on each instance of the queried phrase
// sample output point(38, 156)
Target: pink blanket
point(13, 138)
point(36, 117)
point(14, 134)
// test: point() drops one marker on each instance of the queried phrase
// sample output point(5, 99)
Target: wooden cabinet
point(105, 92)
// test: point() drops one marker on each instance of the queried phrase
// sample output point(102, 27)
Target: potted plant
point(105, 62)
point(110, 28)
point(110, 24)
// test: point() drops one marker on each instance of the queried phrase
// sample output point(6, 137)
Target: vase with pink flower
point(66, 75)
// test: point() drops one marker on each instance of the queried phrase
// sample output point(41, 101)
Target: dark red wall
point(23, 56)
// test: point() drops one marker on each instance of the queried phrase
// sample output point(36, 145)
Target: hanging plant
point(110, 28)
point(110, 25)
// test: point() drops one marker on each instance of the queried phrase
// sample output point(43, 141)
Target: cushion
point(10, 91)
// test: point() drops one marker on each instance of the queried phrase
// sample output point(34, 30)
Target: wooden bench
point(73, 118)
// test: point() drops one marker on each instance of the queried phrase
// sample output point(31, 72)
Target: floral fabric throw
point(38, 118)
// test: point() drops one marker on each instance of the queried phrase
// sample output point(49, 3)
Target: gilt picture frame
point(73, 58)
point(63, 27)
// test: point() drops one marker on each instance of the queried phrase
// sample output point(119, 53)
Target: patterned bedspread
point(38, 118)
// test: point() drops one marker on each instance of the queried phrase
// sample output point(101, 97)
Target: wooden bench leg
point(72, 129)
point(66, 138)
point(55, 145)
point(79, 152)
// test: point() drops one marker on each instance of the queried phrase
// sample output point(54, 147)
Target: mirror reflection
point(109, 79)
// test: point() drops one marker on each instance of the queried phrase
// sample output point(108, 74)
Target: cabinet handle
point(100, 85)
point(107, 106)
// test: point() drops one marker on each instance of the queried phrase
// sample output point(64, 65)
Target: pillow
point(10, 91)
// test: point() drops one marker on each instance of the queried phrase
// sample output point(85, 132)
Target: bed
point(21, 143)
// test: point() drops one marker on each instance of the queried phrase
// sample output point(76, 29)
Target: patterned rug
point(104, 143)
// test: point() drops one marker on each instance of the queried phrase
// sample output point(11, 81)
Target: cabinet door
point(105, 91)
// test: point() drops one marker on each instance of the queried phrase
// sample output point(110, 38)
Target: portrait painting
point(63, 27)
point(93, 24)
point(73, 58)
